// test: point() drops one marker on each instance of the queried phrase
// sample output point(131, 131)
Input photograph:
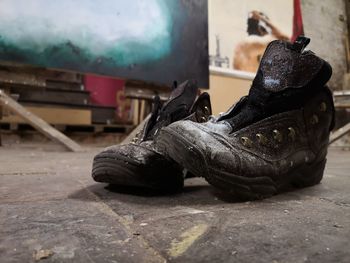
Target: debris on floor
point(42, 254)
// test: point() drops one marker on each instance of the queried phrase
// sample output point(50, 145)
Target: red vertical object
point(103, 90)
point(298, 28)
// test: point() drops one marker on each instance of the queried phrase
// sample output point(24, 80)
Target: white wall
point(325, 23)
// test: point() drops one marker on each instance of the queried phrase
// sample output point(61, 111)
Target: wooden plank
point(47, 74)
point(51, 84)
point(54, 115)
point(16, 78)
point(39, 123)
point(50, 96)
point(342, 105)
point(139, 84)
point(145, 93)
point(62, 76)
point(339, 133)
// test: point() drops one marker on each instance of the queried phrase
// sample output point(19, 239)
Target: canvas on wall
point(241, 30)
point(154, 40)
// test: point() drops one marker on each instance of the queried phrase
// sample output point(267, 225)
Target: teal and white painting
point(152, 40)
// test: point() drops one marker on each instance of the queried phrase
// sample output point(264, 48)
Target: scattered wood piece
point(42, 254)
point(38, 123)
point(336, 135)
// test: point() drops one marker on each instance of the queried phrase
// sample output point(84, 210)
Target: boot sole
point(189, 156)
point(118, 170)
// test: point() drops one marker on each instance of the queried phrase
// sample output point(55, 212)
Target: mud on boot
point(275, 137)
point(138, 163)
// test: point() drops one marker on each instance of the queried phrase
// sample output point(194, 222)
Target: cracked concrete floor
point(51, 210)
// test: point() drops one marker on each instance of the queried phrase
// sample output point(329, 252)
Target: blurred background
point(91, 70)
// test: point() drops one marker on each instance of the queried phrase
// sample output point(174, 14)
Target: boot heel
point(310, 175)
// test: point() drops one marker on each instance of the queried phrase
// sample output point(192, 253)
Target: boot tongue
point(177, 107)
point(184, 94)
point(285, 65)
point(153, 118)
point(287, 75)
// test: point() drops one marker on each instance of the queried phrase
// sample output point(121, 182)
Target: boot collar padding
point(282, 67)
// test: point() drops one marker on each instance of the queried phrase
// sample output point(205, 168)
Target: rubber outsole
point(117, 170)
point(190, 157)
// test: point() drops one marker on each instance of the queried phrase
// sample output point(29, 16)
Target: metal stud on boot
point(138, 163)
point(276, 136)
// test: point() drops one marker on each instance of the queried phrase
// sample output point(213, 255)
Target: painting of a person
point(261, 31)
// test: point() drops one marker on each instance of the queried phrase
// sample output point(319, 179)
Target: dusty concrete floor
point(49, 204)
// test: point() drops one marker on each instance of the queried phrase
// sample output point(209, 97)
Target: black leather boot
point(138, 163)
point(276, 136)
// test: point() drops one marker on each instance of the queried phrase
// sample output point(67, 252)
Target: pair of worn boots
point(275, 137)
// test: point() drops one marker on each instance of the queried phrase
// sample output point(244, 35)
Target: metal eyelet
point(277, 135)
point(323, 106)
point(314, 119)
point(261, 139)
point(246, 141)
point(291, 133)
point(203, 119)
point(206, 110)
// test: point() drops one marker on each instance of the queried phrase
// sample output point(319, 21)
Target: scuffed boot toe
point(136, 165)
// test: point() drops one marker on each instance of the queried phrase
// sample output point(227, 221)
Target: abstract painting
point(151, 40)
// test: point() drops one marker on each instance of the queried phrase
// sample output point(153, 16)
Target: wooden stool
point(142, 95)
